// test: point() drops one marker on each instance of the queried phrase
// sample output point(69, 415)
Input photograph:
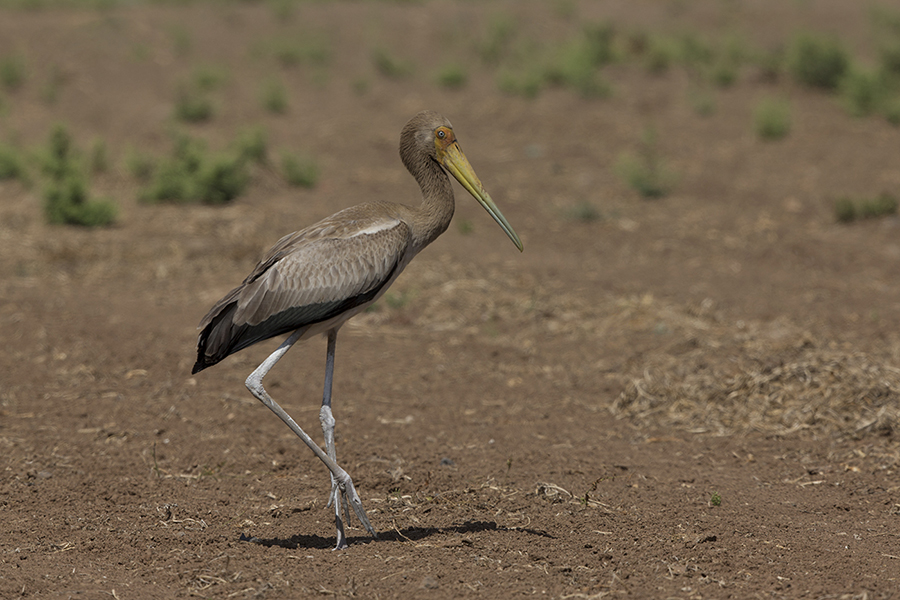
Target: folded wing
point(309, 277)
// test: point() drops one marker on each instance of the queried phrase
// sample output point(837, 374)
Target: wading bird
point(312, 281)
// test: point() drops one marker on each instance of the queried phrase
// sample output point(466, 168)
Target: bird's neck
point(434, 214)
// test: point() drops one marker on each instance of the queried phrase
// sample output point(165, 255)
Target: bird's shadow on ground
point(411, 534)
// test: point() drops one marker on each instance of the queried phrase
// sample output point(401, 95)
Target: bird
point(312, 281)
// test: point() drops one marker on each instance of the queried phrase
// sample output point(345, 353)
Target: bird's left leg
point(338, 497)
point(254, 384)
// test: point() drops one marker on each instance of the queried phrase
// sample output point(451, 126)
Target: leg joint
point(253, 384)
point(326, 417)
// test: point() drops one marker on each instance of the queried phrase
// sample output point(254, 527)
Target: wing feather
point(321, 272)
point(307, 277)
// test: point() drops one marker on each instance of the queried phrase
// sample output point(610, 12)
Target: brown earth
point(556, 423)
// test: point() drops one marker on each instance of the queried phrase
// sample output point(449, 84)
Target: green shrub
point(11, 163)
point(772, 118)
point(885, 19)
point(221, 179)
point(886, 26)
point(527, 83)
point(496, 40)
point(60, 159)
point(66, 197)
point(283, 10)
point(274, 96)
point(844, 210)
point(694, 50)
point(191, 174)
point(817, 60)
point(295, 50)
point(724, 73)
point(253, 145)
point(599, 41)
point(660, 54)
point(584, 212)
point(465, 226)
point(287, 52)
point(847, 209)
point(880, 206)
point(576, 64)
point(192, 105)
point(12, 72)
point(299, 172)
point(862, 91)
point(389, 65)
point(889, 56)
point(891, 110)
point(452, 76)
point(172, 182)
point(646, 172)
point(209, 77)
point(66, 202)
point(718, 63)
point(647, 179)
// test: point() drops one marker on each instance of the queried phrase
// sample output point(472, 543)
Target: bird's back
point(319, 276)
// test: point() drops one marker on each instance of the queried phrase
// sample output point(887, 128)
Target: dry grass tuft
point(820, 391)
point(689, 367)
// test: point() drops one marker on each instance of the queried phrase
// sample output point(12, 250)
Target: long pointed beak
point(458, 165)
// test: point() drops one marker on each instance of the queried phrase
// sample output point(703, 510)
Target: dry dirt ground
point(557, 423)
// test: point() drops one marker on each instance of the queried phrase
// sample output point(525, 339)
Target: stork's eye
point(441, 134)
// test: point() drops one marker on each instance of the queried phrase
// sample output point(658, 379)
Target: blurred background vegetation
point(519, 55)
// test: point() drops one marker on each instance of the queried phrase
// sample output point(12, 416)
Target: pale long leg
point(337, 498)
point(344, 483)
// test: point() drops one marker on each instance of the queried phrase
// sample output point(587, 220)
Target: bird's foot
point(353, 499)
point(338, 499)
point(343, 495)
point(341, 536)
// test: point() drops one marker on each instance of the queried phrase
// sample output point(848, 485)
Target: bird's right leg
point(254, 384)
point(326, 417)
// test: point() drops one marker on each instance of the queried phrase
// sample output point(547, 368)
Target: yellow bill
point(457, 163)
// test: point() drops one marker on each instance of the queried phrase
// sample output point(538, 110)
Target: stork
point(312, 281)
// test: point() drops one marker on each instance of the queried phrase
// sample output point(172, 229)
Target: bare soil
point(689, 397)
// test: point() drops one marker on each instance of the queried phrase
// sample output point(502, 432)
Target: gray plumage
point(312, 281)
point(309, 278)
